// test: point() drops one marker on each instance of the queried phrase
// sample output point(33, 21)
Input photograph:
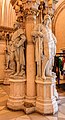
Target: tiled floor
point(6, 114)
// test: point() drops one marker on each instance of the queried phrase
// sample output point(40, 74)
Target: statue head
point(47, 20)
point(16, 25)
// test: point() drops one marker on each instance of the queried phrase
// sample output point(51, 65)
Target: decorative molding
point(6, 29)
point(3, 31)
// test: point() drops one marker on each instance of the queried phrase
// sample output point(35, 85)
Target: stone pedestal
point(17, 94)
point(2, 60)
point(7, 75)
point(46, 102)
point(55, 90)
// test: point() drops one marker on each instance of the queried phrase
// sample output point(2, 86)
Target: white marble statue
point(51, 44)
point(18, 40)
point(45, 48)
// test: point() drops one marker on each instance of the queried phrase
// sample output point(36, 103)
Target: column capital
point(26, 7)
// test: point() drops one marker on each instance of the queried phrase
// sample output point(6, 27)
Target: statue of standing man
point(51, 45)
point(45, 48)
point(18, 40)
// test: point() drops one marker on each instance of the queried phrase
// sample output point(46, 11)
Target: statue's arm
point(54, 38)
point(46, 48)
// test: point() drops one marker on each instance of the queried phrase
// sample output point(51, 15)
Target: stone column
point(2, 59)
point(0, 12)
point(31, 7)
point(30, 63)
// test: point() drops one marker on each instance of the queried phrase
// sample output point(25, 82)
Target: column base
point(31, 100)
point(29, 105)
point(17, 94)
point(15, 104)
point(28, 108)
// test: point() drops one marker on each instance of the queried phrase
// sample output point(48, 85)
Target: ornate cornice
point(3, 31)
point(6, 29)
point(25, 7)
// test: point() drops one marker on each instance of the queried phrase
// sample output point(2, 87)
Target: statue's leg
point(18, 69)
point(18, 63)
point(37, 69)
point(49, 68)
point(22, 70)
point(7, 61)
point(44, 64)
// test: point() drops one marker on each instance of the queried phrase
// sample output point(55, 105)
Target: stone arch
point(58, 25)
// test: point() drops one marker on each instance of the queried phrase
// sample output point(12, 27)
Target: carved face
point(16, 25)
point(47, 20)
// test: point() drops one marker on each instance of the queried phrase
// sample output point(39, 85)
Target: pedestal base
point(29, 105)
point(7, 75)
point(28, 108)
point(17, 94)
point(15, 104)
point(46, 102)
point(55, 90)
point(47, 106)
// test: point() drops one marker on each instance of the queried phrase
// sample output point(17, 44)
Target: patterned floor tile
point(36, 116)
point(25, 117)
point(61, 118)
point(61, 115)
point(63, 104)
point(62, 109)
point(52, 118)
point(2, 107)
point(8, 114)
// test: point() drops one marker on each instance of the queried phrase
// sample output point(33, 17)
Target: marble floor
point(6, 114)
